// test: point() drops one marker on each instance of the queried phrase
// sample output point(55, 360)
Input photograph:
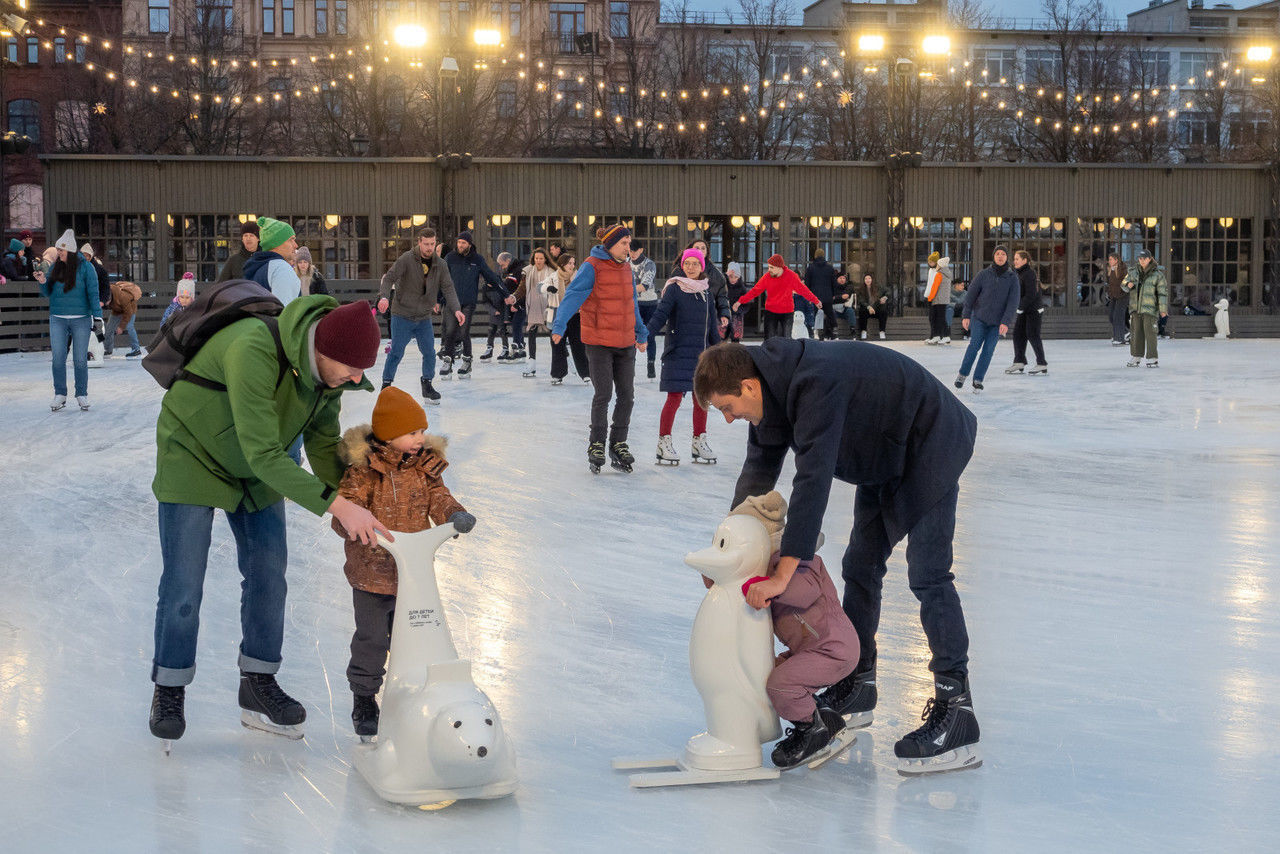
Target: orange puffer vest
point(609, 314)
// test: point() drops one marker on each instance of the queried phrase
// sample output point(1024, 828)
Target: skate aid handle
point(746, 585)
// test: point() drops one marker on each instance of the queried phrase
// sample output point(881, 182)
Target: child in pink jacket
point(822, 646)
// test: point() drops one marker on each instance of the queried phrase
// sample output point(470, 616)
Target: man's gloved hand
point(463, 521)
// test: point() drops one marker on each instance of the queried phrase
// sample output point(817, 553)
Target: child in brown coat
point(394, 470)
point(822, 646)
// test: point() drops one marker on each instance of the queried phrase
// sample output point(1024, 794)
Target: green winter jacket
point(229, 449)
point(1149, 291)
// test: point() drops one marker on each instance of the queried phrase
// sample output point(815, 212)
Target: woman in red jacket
point(779, 284)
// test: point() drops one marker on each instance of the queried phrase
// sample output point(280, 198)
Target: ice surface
point(1115, 551)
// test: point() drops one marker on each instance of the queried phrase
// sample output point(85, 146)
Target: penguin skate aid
point(903, 445)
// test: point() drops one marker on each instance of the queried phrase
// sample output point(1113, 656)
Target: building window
point(1209, 22)
point(1044, 239)
point(26, 206)
point(59, 51)
point(572, 98)
point(1196, 129)
point(279, 89)
point(269, 17)
point(786, 61)
point(1249, 129)
point(400, 234)
point(338, 243)
point(446, 19)
point(158, 12)
point(505, 99)
point(286, 17)
point(1150, 67)
point(340, 17)
point(848, 242)
point(331, 97)
point(950, 237)
point(11, 50)
point(1043, 66)
point(620, 20)
point(521, 234)
point(33, 51)
point(80, 52)
point(514, 17)
point(1097, 238)
point(1193, 64)
point(1209, 259)
point(464, 17)
point(322, 17)
point(567, 21)
point(71, 125)
point(994, 65)
point(201, 244)
point(125, 243)
point(24, 118)
point(215, 16)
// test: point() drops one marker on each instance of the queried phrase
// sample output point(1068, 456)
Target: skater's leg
point(81, 329)
point(185, 531)
point(863, 570)
point(991, 337)
point(470, 311)
point(1150, 335)
point(600, 361)
point(977, 331)
point(532, 335)
point(132, 332)
point(1020, 340)
point(882, 317)
point(646, 312)
point(371, 641)
point(1119, 307)
point(1034, 321)
point(424, 332)
point(624, 381)
point(263, 554)
point(791, 684)
point(450, 337)
point(929, 558)
point(699, 417)
point(401, 332)
point(1136, 335)
point(560, 359)
point(576, 348)
point(667, 419)
point(59, 345)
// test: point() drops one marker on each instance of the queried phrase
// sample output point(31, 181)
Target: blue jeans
point(74, 331)
point(185, 533)
point(928, 573)
point(981, 337)
point(646, 312)
point(109, 343)
point(402, 330)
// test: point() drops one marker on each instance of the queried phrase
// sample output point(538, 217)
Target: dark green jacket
point(1148, 291)
point(229, 449)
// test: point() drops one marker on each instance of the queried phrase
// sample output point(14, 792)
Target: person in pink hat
point(779, 284)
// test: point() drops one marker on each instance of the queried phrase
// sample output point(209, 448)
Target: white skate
point(667, 451)
point(702, 452)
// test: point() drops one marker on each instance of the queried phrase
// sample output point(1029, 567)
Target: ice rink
point(1115, 551)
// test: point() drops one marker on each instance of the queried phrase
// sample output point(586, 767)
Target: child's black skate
point(620, 457)
point(364, 717)
point(803, 740)
point(464, 369)
point(595, 456)
point(853, 697)
point(446, 368)
point(948, 741)
point(268, 708)
point(167, 720)
point(842, 738)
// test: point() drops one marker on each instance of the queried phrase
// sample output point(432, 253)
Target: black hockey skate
point(429, 394)
point(842, 738)
point(853, 697)
point(595, 456)
point(464, 369)
point(803, 740)
point(446, 369)
point(167, 720)
point(364, 717)
point(948, 741)
point(268, 708)
point(620, 457)
point(487, 354)
point(978, 386)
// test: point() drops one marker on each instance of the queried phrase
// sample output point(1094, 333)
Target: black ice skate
point(386, 383)
point(167, 720)
point(842, 738)
point(429, 394)
point(803, 740)
point(487, 354)
point(948, 741)
point(464, 369)
point(595, 456)
point(620, 457)
point(978, 386)
point(268, 708)
point(853, 697)
point(446, 369)
point(364, 717)
point(505, 356)
point(960, 378)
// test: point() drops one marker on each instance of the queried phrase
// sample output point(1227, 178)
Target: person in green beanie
point(272, 265)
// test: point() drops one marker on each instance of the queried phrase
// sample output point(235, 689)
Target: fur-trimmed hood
point(357, 449)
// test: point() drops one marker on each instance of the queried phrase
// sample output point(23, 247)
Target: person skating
point(75, 312)
point(737, 289)
point(533, 292)
point(395, 471)
point(989, 306)
point(876, 419)
point(272, 265)
point(686, 310)
point(221, 442)
point(186, 294)
point(603, 294)
point(499, 316)
point(820, 279)
point(1118, 305)
point(1148, 291)
point(937, 291)
point(1026, 327)
point(571, 344)
point(120, 313)
point(779, 284)
point(821, 644)
point(415, 281)
point(234, 266)
point(644, 271)
point(466, 268)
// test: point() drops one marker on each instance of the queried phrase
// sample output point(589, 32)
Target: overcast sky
point(1003, 8)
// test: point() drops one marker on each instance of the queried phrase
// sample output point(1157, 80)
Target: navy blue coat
point(992, 296)
point(820, 277)
point(868, 416)
point(466, 272)
point(693, 326)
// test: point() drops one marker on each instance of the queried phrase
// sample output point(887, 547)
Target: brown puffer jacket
point(124, 301)
point(405, 493)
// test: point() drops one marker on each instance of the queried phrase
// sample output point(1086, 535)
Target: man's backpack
point(223, 304)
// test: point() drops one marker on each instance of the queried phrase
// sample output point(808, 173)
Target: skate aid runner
point(904, 445)
point(822, 647)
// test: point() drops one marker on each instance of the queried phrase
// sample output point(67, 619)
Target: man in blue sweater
point(871, 417)
point(466, 268)
point(989, 305)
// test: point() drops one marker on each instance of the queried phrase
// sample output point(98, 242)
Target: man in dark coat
point(820, 277)
point(234, 266)
point(466, 268)
point(871, 417)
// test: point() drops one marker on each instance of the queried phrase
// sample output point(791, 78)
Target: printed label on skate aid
point(423, 617)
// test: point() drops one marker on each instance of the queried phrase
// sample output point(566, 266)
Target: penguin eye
point(488, 721)
point(457, 724)
point(722, 542)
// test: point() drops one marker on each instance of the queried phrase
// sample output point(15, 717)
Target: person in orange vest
point(603, 293)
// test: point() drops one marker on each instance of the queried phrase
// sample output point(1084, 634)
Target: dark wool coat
point(466, 271)
point(1030, 286)
point(693, 326)
point(993, 296)
point(868, 416)
point(820, 277)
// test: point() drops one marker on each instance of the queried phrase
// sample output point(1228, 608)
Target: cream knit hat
point(67, 241)
point(770, 509)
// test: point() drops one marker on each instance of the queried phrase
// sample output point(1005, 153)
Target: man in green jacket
point(1148, 291)
point(221, 442)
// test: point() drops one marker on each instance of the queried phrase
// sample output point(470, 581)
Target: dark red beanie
point(349, 335)
point(776, 260)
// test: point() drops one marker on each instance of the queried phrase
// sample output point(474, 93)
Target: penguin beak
point(713, 561)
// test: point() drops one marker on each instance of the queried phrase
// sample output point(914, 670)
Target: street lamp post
point(1264, 57)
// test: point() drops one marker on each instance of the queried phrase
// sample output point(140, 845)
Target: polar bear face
point(463, 739)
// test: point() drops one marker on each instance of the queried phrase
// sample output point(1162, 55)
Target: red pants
point(668, 418)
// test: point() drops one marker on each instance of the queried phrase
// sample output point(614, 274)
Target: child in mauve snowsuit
point(822, 646)
point(394, 470)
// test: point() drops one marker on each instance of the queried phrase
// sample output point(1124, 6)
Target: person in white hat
point(74, 311)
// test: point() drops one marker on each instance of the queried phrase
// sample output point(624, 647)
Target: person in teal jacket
point(74, 311)
point(221, 441)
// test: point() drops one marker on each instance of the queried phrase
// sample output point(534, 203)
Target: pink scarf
point(690, 286)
